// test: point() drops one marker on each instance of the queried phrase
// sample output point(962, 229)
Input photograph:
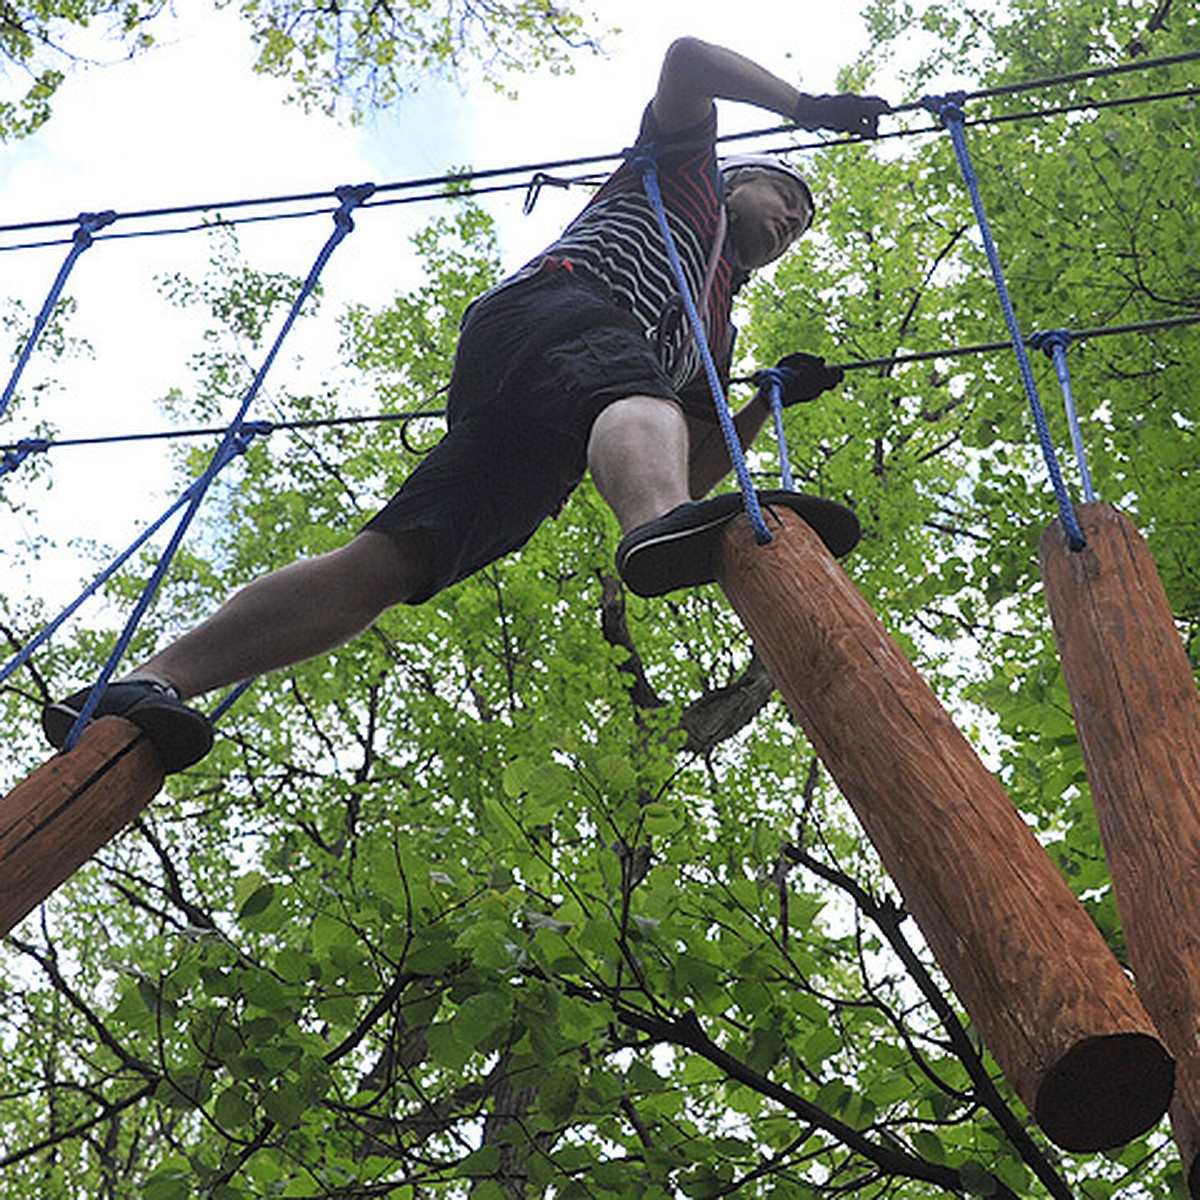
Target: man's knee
point(391, 568)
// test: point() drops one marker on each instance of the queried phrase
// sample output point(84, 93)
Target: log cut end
point(1105, 1091)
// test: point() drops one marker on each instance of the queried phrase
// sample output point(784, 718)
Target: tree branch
point(888, 918)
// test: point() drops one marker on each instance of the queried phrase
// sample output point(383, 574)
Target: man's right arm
point(695, 73)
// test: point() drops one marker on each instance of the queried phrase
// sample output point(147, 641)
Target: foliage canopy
point(337, 57)
point(536, 891)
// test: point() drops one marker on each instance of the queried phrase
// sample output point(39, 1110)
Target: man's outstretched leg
point(278, 620)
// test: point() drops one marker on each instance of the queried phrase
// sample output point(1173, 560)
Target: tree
point(347, 58)
point(530, 891)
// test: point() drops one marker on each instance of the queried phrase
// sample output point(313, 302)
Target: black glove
point(844, 113)
point(800, 377)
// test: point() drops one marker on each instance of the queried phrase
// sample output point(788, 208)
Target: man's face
point(766, 216)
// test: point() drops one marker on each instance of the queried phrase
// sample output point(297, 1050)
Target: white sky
point(189, 122)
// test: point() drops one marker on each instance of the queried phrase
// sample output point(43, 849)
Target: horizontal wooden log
point(60, 816)
point(1028, 964)
point(1137, 710)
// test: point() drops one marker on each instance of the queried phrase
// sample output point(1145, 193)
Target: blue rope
point(644, 163)
point(89, 225)
point(1053, 343)
point(772, 379)
point(27, 651)
point(233, 443)
point(233, 696)
point(14, 456)
point(949, 109)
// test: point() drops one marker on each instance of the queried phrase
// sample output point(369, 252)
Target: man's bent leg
point(638, 455)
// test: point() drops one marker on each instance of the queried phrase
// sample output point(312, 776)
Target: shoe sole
point(180, 735)
point(651, 566)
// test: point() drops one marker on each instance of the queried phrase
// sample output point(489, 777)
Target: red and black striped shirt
point(616, 240)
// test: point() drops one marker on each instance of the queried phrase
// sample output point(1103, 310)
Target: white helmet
point(730, 167)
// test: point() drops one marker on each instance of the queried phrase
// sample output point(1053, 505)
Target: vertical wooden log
point(55, 820)
point(1138, 714)
point(1024, 958)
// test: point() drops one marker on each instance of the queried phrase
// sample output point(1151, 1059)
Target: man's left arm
point(799, 377)
point(708, 455)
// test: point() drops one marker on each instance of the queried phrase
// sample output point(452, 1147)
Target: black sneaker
point(181, 735)
point(676, 550)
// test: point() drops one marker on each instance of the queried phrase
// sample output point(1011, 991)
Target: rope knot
point(642, 159)
point(771, 377)
point(1049, 340)
point(350, 196)
point(91, 224)
point(946, 108)
point(14, 456)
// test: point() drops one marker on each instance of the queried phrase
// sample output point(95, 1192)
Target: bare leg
point(295, 613)
point(638, 457)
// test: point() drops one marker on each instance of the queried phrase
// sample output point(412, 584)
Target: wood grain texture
point(1050, 1000)
point(1138, 714)
point(55, 820)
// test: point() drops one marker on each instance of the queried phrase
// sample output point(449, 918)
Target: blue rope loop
point(771, 380)
point(643, 161)
point(236, 439)
point(1053, 343)
point(949, 109)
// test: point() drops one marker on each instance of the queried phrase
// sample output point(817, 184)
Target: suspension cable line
point(405, 417)
point(467, 183)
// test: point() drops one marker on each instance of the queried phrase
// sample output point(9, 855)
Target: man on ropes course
point(581, 360)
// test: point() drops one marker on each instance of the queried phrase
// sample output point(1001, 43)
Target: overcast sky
point(189, 122)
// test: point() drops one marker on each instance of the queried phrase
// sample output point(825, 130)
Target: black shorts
point(536, 363)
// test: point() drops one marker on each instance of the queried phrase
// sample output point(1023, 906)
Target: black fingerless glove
point(800, 377)
point(843, 113)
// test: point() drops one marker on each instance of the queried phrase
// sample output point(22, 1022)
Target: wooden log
point(56, 819)
point(1138, 714)
point(1028, 964)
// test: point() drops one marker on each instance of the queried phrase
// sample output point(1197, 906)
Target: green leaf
point(233, 1108)
point(285, 1103)
point(976, 1180)
point(168, 1185)
point(480, 1017)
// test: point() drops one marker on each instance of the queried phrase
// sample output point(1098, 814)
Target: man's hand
point(843, 113)
point(801, 377)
